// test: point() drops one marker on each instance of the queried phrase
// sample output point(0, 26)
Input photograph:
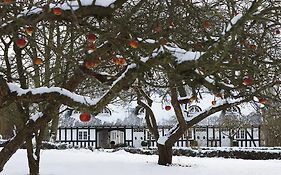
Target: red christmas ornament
point(167, 108)
point(134, 44)
point(253, 46)
point(248, 81)
point(206, 24)
point(119, 61)
point(89, 64)
point(263, 101)
point(85, 117)
point(29, 30)
point(21, 43)
point(91, 38)
point(57, 11)
point(38, 61)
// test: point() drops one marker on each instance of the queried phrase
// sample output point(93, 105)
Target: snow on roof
point(125, 114)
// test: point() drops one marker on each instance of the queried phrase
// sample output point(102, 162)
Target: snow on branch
point(233, 21)
point(162, 140)
point(131, 66)
point(182, 55)
point(41, 10)
point(51, 90)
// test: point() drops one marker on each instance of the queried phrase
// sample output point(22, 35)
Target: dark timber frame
point(213, 136)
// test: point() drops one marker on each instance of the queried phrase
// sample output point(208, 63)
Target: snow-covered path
point(85, 162)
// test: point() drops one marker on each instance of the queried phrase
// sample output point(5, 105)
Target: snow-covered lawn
point(86, 162)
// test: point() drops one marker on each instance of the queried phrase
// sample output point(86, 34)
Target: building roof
point(130, 114)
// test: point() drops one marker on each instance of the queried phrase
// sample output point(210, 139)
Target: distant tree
point(271, 125)
point(228, 48)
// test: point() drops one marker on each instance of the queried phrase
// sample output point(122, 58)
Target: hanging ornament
point(21, 42)
point(89, 64)
point(85, 117)
point(29, 30)
point(262, 100)
point(119, 61)
point(91, 38)
point(57, 11)
point(38, 61)
point(253, 46)
point(206, 24)
point(134, 44)
point(168, 107)
point(214, 103)
point(248, 81)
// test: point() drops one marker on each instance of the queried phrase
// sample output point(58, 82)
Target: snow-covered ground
point(86, 162)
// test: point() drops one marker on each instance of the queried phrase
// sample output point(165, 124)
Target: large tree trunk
point(165, 154)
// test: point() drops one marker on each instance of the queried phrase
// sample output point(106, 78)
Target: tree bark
point(33, 163)
point(165, 154)
point(24, 134)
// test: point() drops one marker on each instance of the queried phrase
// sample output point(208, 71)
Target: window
point(242, 134)
point(204, 137)
point(138, 130)
point(139, 110)
point(233, 110)
point(85, 135)
point(238, 135)
point(198, 137)
point(105, 111)
point(189, 133)
point(194, 109)
point(82, 135)
point(113, 135)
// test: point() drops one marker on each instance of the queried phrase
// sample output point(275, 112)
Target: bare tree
point(231, 48)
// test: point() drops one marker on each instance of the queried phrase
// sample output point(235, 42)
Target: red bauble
point(167, 108)
point(91, 38)
point(85, 117)
point(21, 43)
point(262, 100)
point(206, 24)
point(248, 81)
point(134, 44)
point(253, 46)
point(119, 61)
point(38, 61)
point(57, 11)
